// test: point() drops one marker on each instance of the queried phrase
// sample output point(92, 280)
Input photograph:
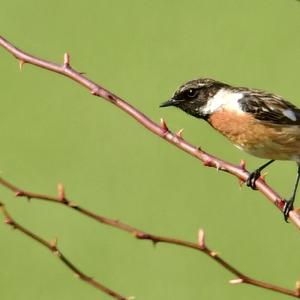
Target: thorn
point(297, 288)
point(66, 60)
point(141, 235)
point(19, 194)
point(21, 63)
point(201, 239)
point(243, 165)
point(130, 298)
point(8, 221)
point(53, 244)
point(263, 176)
point(236, 281)
point(56, 252)
point(213, 253)
point(218, 166)
point(136, 234)
point(163, 125)
point(280, 203)
point(179, 133)
point(154, 243)
point(112, 97)
point(72, 204)
point(95, 92)
point(208, 162)
point(240, 183)
point(61, 192)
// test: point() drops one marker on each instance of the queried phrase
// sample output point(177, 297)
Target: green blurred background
point(53, 131)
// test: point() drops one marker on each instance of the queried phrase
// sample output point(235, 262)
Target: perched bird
point(258, 122)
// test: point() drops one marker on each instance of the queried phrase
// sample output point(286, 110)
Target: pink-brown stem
point(161, 130)
point(142, 235)
point(52, 246)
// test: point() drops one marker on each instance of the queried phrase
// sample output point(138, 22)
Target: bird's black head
point(192, 97)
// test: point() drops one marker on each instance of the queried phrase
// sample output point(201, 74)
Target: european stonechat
point(258, 122)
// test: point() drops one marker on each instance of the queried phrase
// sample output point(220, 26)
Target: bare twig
point(142, 235)
point(52, 246)
point(161, 130)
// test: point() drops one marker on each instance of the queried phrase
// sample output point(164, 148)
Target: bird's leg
point(255, 175)
point(289, 204)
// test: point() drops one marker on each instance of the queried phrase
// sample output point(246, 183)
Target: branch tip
point(201, 239)
point(236, 281)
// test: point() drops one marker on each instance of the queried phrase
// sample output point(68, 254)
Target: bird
point(260, 123)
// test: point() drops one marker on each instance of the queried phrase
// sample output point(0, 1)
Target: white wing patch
point(224, 98)
point(289, 114)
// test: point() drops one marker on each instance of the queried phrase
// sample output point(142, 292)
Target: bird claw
point(251, 180)
point(288, 206)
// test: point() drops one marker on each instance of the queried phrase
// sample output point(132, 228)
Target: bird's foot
point(288, 206)
point(252, 179)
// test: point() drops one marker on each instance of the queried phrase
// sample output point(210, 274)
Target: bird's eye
point(191, 93)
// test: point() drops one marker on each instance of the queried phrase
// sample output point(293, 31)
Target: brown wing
point(269, 108)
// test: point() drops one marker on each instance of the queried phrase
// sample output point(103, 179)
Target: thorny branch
point(52, 246)
point(142, 235)
point(161, 129)
point(176, 139)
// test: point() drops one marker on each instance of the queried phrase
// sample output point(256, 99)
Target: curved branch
point(161, 130)
point(142, 235)
point(52, 246)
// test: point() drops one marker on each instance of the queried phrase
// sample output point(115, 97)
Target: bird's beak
point(170, 102)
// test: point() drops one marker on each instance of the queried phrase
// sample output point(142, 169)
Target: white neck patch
point(224, 98)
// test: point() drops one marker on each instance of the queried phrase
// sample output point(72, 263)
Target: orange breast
point(259, 138)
